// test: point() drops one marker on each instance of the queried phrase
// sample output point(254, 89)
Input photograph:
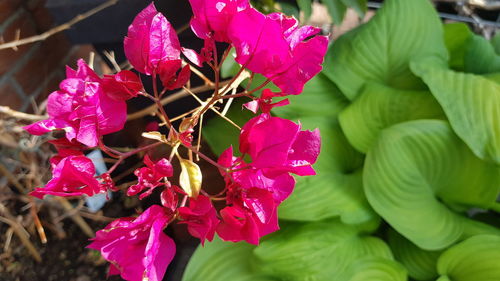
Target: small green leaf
point(413, 168)
point(471, 103)
point(381, 49)
point(229, 66)
point(336, 9)
point(190, 178)
point(289, 9)
point(421, 264)
point(358, 5)
point(316, 251)
point(480, 56)
point(379, 107)
point(456, 36)
point(306, 7)
point(477, 258)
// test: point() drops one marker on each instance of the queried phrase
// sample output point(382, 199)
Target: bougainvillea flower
point(82, 109)
point(137, 248)
point(151, 40)
point(72, 176)
point(122, 86)
point(200, 217)
point(169, 198)
point(167, 72)
point(278, 143)
point(241, 223)
point(212, 17)
point(150, 177)
point(274, 46)
point(265, 102)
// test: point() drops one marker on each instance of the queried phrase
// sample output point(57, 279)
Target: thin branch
point(21, 115)
point(40, 37)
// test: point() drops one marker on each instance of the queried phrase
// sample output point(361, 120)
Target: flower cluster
point(271, 149)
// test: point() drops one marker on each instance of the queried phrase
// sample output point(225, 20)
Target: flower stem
point(126, 155)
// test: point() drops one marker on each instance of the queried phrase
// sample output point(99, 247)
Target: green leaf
point(336, 9)
point(477, 258)
point(375, 269)
point(456, 36)
point(480, 56)
point(220, 134)
point(379, 107)
point(229, 66)
point(470, 102)
point(337, 188)
point(421, 264)
point(381, 49)
point(222, 261)
point(495, 41)
point(289, 9)
point(414, 168)
point(316, 251)
point(306, 7)
point(358, 5)
point(320, 97)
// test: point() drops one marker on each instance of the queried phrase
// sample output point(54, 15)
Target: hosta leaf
point(336, 190)
point(480, 56)
point(379, 107)
point(336, 9)
point(222, 261)
point(375, 269)
point(415, 166)
point(456, 36)
point(320, 98)
point(316, 251)
point(471, 103)
point(421, 264)
point(477, 258)
point(381, 49)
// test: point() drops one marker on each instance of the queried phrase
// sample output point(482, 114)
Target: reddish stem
point(126, 155)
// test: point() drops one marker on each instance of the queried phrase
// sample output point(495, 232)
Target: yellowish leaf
point(154, 135)
point(190, 177)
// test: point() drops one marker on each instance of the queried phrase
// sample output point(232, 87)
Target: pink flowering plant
point(257, 179)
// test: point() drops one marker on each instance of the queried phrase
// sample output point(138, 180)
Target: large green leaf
point(477, 258)
point(222, 261)
point(471, 103)
point(320, 98)
point(375, 269)
point(379, 107)
point(480, 56)
point(495, 41)
point(456, 36)
point(421, 264)
point(381, 49)
point(316, 251)
point(413, 168)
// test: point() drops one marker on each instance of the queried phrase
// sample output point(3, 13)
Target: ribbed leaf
point(222, 261)
point(320, 98)
point(480, 56)
point(316, 251)
point(375, 269)
point(379, 107)
point(477, 258)
point(337, 188)
point(471, 103)
point(415, 166)
point(456, 36)
point(421, 264)
point(381, 49)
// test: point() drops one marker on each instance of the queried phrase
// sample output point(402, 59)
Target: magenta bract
point(150, 177)
point(200, 217)
point(122, 86)
point(137, 248)
point(71, 176)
